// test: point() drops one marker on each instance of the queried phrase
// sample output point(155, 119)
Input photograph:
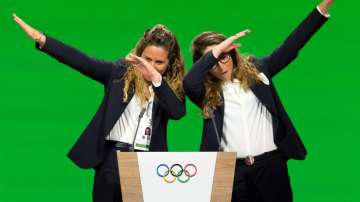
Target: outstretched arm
point(288, 51)
point(96, 69)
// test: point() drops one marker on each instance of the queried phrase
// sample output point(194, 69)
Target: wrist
point(156, 80)
point(216, 53)
point(323, 8)
point(38, 37)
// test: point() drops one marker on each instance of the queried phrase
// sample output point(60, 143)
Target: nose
point(222, 67)
point(153, 63)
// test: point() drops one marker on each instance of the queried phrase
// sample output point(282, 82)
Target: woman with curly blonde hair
point(242, 111)
point(142, 92)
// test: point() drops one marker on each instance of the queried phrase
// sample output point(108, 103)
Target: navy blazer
point(89, 149)
point(285, 136)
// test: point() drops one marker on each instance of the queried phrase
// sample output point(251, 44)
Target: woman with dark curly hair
point(142, 92)
point(242, 111)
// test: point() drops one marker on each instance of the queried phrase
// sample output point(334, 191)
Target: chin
point(227, 77)
point(223, 78)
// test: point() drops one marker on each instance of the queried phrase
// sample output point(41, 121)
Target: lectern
point(176, 176)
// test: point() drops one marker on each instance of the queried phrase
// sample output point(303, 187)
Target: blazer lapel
point(154, 108)
point(264, 94)
point(114, 101)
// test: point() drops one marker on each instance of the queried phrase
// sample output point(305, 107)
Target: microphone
point(142, 112)
point(212, 117)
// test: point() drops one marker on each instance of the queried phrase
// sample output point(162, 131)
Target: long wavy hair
point(159, 36)
point(244, 70)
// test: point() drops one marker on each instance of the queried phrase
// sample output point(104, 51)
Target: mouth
point(223, 73)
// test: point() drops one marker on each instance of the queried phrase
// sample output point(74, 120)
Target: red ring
point(187, 173)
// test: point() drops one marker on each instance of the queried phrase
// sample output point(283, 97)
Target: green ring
point(184, 181)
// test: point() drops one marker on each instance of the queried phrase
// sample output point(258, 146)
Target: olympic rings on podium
point(176, 171)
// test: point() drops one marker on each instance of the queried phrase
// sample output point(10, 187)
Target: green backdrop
point(44, 105)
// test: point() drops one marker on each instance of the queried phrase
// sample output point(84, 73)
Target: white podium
point(176, 176)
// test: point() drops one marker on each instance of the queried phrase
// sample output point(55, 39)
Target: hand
point(31, 32)
point(325, 5)
point(144, 67)
point(228, 44)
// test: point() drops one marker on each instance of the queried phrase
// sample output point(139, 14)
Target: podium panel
point(176, 176)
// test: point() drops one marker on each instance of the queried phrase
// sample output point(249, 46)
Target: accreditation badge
point(143, 136)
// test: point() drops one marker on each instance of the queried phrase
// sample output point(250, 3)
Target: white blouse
point(125, 128)
point(247, 128)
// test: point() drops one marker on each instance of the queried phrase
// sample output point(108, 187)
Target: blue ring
point(166, 173)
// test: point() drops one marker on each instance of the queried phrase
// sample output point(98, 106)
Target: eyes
point(223, 59)
point(158, 62)
point(215, 67)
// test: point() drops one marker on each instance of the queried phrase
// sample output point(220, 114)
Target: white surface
point(198, 188)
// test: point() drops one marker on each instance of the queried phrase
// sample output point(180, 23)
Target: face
point(157, 56)
point(223, 69)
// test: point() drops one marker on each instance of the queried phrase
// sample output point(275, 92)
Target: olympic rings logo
point(176, 171)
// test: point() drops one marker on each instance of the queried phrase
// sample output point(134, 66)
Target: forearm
point(91, 67)
point(172, 105)
point(194, 80)
point(289, 50)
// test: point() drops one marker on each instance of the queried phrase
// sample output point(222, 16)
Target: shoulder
point(120, 68)
point(258, 63)
point(120, 63)
point(261, 64)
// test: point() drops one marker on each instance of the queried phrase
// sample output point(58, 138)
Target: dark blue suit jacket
point(285, 136)
point(89, 150)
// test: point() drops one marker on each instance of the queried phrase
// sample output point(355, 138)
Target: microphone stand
point(212, 116)
point(132, 148)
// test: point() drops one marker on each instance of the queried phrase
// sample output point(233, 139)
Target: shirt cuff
point(327, 15)
point(157, 84)
point(40, 46)
point(37, 44)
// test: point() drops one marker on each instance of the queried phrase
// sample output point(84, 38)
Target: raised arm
point(169, 102)
point(98, 70)
point(288, 51)
point(194, 80)
point(172, 105)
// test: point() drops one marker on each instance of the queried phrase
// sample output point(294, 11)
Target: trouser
point(106, 180)
point(267, 180)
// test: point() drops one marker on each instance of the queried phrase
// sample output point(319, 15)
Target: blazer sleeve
point(169, 102)
point(98, 70)
point(288, 51)
point(194, 80)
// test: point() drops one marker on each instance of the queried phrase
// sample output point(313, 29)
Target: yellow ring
point(169, 181)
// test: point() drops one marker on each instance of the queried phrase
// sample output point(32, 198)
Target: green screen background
point(44, 105)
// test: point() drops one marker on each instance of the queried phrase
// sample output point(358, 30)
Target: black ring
point(179, 173)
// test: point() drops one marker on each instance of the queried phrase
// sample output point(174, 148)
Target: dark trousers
point(106, 180)
point(267, 180)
